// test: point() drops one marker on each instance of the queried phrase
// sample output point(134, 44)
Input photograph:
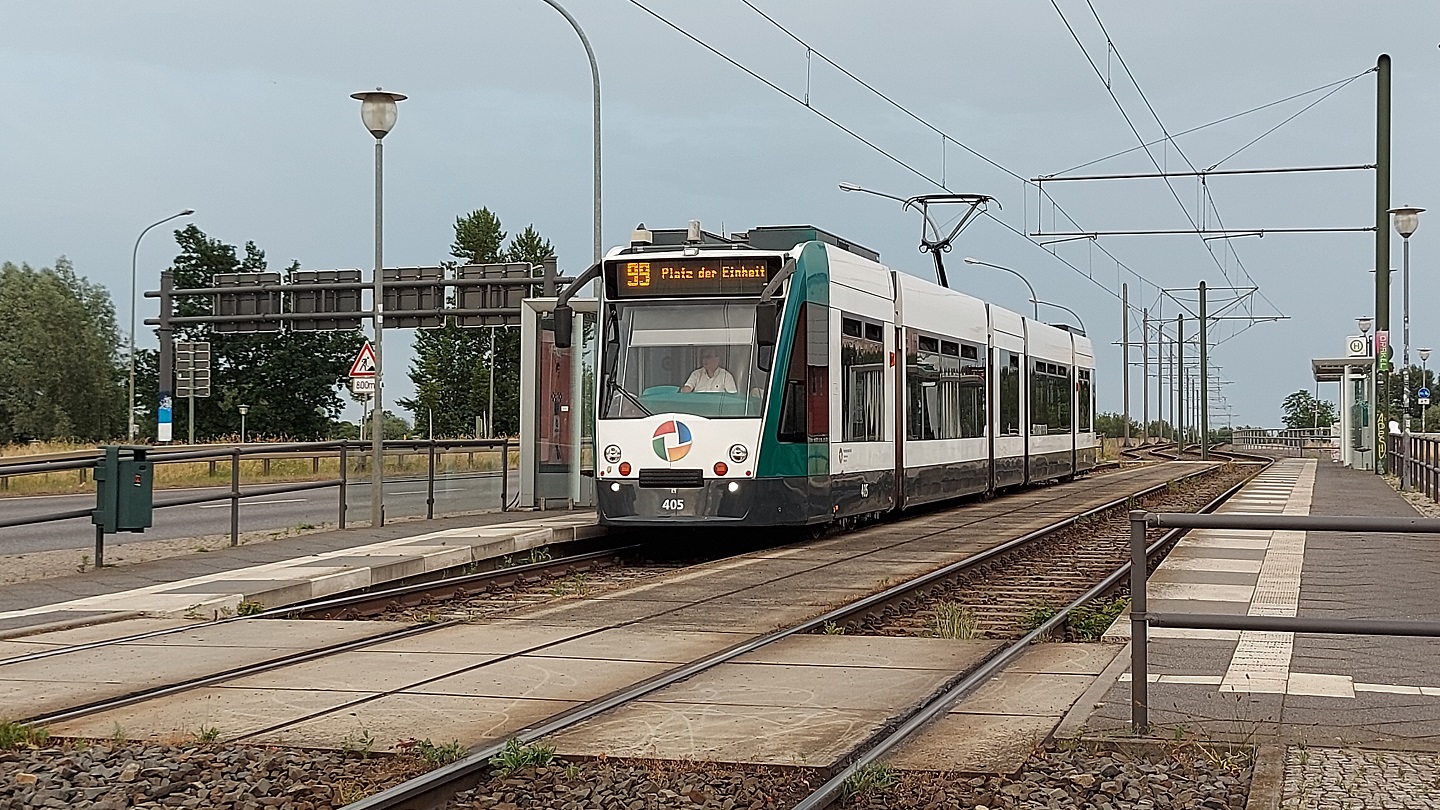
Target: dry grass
point(252, 470)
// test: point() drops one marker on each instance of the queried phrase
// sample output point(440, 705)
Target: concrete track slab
point(641, 644)
point(606, 612)
point(973, 743)
point(537, 677)
point(392, 719)
point(102, 632)
point(235, 712)
point(1067, 659)
point(287, 634)
point(496, 638)
point(793, 686)
point(363, 671)
point(1034, 693)
point(873, 651)
point(766, 735)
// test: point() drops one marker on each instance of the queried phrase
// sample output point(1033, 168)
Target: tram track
point(432, 790)
point(420, 596)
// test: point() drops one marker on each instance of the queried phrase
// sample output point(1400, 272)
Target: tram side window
point(1084, 397)
point(1009, 363)
point(862, 395)
point(1049, 398)
point(945, 388)
point(804, 403)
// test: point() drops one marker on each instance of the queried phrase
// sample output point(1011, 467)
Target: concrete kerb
point(288, 581)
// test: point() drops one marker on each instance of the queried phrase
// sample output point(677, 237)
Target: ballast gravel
point(106, 776)
point(1175, 778)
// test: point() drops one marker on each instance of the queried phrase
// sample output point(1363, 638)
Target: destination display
point(693, 275)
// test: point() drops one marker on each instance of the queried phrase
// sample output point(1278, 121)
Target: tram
point(785, 377)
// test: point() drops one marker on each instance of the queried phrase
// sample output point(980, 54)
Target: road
point(404, 497)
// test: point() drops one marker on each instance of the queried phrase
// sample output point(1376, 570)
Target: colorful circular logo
point(671, 440)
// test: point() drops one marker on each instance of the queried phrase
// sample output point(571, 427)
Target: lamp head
point(1407, 219)
point(972, 260)
point(1424, 355)
point(849, 187)
point(1364, 324)
point(244, 409)
point(187, 212)
point(377, 110)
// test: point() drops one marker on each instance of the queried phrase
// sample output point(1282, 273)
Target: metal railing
point(1416, 460)
point(1141, 620)
point(1287, 441)
point(83, 464)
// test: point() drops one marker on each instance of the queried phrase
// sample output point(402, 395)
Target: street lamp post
point(1072, 312)
point(134, 260)
point(1425, 381)
point(1407, 219)
point(595, 87)
point(244, 409)
point(1034, 299)
point(377, 113)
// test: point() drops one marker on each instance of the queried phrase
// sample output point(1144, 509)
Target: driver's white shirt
point(722, 382)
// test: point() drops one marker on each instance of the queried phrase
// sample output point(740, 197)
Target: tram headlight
point(738, 453)
point(612, 453)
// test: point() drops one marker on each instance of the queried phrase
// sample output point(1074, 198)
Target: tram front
point(681, 396)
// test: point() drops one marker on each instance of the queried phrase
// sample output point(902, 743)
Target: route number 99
point(637, 274)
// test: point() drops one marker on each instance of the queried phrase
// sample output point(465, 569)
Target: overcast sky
point(116, 115)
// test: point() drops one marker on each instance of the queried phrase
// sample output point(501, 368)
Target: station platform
point(280, 572)
point(1367, 708)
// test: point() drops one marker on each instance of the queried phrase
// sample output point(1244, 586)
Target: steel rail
point(432, 789)
point(967, 682)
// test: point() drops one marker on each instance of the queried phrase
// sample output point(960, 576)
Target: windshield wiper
point(616, 386)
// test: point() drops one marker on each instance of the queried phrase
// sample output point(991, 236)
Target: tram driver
point(709, 377)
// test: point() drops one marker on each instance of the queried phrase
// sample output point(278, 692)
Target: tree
point(1112, 426)
point(61, 375)
point(1302, 410)
point(289, 379)
point(451, 369)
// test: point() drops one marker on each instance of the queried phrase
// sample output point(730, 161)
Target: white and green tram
point(786, 377)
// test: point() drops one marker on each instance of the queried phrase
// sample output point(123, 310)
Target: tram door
point(557, 408)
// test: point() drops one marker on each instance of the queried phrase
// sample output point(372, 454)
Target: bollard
point(99, 546)
point(430, 483)
point(235, 498)
point(504, 474)
point(344, 479)
point(1139, 627)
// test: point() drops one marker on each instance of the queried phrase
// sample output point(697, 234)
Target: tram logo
point(671, 440)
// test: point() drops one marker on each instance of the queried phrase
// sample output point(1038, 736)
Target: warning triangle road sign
point(364, 365)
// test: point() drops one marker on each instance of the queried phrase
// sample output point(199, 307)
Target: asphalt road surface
point(404, 497)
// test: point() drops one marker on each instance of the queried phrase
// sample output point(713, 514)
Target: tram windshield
point(696, 358)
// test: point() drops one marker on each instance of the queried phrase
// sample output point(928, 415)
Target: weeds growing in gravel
point(437, 755)
point(539, 555)
point(207, 734)
point(954, 620)
point(870, 780)
point(358, 742)
point(1036, 615)
point(118, 735)
point(249, 607)
point(1089, 622)
point(20, 735)
point(833, 629)
point(517, 756)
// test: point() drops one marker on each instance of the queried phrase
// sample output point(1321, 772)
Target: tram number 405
point(673, 504)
